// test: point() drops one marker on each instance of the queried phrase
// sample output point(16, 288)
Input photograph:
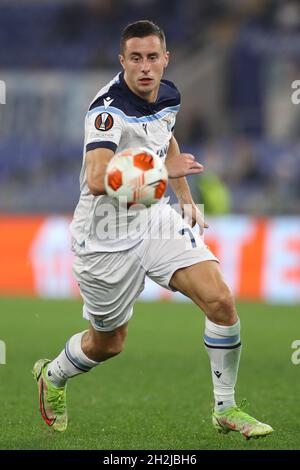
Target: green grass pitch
point(157, 393)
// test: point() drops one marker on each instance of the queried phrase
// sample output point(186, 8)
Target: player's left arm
point(181, 188)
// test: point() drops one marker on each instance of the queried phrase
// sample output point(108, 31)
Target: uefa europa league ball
point(136, 175)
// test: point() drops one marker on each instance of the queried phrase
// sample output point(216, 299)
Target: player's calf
point(100, 345)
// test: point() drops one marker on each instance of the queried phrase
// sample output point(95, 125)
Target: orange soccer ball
point(137, 174)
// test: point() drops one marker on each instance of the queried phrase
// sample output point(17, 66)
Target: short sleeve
point(103, 129)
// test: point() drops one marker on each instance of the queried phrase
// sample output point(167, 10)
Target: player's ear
point(121, 59)
point(167, 58)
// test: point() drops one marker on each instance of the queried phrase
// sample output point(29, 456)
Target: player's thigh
point(203, 283)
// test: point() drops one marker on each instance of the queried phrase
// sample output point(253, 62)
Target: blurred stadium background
point(234, 62)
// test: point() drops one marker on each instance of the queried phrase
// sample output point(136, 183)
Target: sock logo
point(217, 373)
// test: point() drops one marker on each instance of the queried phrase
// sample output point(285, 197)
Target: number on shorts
point(191, 235)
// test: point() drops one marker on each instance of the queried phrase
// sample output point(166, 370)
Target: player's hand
point(192, 215)
point(183, 164)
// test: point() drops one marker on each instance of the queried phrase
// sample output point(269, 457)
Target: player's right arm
point(104, 126)
point(96, 164)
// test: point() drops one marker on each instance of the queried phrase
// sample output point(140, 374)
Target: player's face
point(144, 61)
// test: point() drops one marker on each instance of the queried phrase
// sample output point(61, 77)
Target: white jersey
point(118, 119)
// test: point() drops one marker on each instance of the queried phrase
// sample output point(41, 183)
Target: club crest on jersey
point(168, 121)
point(104, 121)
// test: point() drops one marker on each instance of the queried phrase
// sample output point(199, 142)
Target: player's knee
point(221, 307)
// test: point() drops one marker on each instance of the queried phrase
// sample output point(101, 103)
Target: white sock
point(223, 346)
point(70, 362)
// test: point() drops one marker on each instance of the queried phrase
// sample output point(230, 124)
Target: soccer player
point(138, 108)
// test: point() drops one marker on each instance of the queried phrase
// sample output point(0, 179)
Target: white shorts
point(110, 282)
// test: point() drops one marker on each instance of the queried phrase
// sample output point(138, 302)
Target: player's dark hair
point(141, 29)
